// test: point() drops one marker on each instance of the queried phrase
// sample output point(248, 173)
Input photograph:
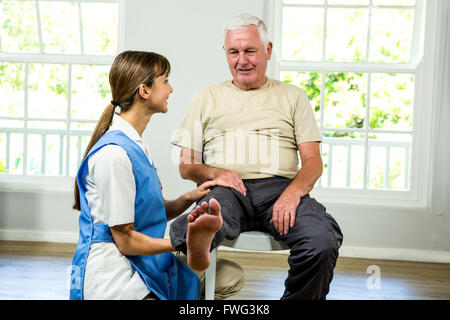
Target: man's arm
point(311, 169)
point(191, 167)
point(285, 208)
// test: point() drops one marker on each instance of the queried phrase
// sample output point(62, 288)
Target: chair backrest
point(255, 240)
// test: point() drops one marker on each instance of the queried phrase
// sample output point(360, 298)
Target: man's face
point(247, 58)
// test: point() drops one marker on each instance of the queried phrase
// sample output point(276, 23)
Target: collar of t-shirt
point(119, 123)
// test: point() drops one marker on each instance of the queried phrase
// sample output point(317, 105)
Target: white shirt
point(110, 194)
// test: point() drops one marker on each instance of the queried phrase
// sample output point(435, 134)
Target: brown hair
point(129, 70)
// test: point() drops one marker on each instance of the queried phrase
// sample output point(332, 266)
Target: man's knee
point(317, 239)
point(322, 231)
point(219, 192)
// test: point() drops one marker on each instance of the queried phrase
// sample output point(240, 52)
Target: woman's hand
point(204, 189)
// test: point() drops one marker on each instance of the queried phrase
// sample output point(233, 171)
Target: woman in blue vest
point(121, 252)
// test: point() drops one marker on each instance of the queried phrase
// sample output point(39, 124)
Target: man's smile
point(245, 70)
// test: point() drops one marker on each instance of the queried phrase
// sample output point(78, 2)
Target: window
point(358, 62)
point(54, 64)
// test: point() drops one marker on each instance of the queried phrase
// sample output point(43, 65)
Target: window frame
point(416, 196)
point(64, 183)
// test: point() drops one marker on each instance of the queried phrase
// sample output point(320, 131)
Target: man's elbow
point(319, 169)
point(183, 169)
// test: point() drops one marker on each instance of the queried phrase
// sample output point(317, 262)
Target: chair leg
point(210, 277)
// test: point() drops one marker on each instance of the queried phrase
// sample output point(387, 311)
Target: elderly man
point(245, 134)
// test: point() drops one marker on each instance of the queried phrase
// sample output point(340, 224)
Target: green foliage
point(19, 24)
point(103, 88)
point(340, 84)
point(12, 74)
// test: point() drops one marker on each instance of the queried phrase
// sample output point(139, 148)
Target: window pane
point(75, 155)
point(397, 165)
point(34, 154)
point(303, 1)
point(12, 82)
point(60, 27)
point(90, 91)
point(348, 2)
point(58, 125)
point(345, 100)
point(347, 34)
point(3, 152)
point(377, 167)
point(343, 159)
point(47, 90)
point(18, 26)
point(357, 155)
point(389, 161)
point(78, 145)
point(391, 104)
point(391, 35)
point(100, 27)
point(16, 153)
point(325, 160)
point(394, 2)
point(54, 156)
point(302, 34)
point(82, 126)
point(11, 124)
point(310, 82)
point(339, 166)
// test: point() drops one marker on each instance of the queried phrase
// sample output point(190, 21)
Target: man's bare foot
point(203, 223)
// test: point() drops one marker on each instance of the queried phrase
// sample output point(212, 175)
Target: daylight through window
point(54, 65)
point(357, 61)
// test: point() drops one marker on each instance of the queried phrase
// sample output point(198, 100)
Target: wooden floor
point(31, 270)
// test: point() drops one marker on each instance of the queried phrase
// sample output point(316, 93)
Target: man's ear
point(269, 50)
point(144, 91)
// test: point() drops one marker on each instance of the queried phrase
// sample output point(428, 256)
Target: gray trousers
point(314, 240)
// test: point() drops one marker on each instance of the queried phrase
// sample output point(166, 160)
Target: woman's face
point(160, 92)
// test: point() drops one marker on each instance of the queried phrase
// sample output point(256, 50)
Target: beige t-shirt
point(255, 133)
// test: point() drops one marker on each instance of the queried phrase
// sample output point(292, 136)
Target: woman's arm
point(176, 207)
point(132, 243)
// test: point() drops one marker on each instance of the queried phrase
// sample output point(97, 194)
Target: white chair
point(251, 240)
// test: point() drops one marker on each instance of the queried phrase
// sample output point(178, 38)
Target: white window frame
point(416, 196)
point(64, 183)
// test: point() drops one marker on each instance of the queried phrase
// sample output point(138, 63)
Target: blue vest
point(163, 274)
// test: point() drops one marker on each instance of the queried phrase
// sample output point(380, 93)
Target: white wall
point(189, 34)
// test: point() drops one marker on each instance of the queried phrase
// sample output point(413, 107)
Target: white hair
point(245, 20)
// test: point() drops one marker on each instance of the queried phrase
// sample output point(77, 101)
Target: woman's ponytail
point(102, 126)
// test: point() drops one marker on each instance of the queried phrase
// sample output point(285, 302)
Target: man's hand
point(192, 168)
point(284, 210)
point(230, 179)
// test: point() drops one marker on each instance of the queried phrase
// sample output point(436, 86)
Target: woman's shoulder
point(110, 155)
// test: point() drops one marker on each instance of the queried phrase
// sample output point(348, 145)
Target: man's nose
point(243, 59)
